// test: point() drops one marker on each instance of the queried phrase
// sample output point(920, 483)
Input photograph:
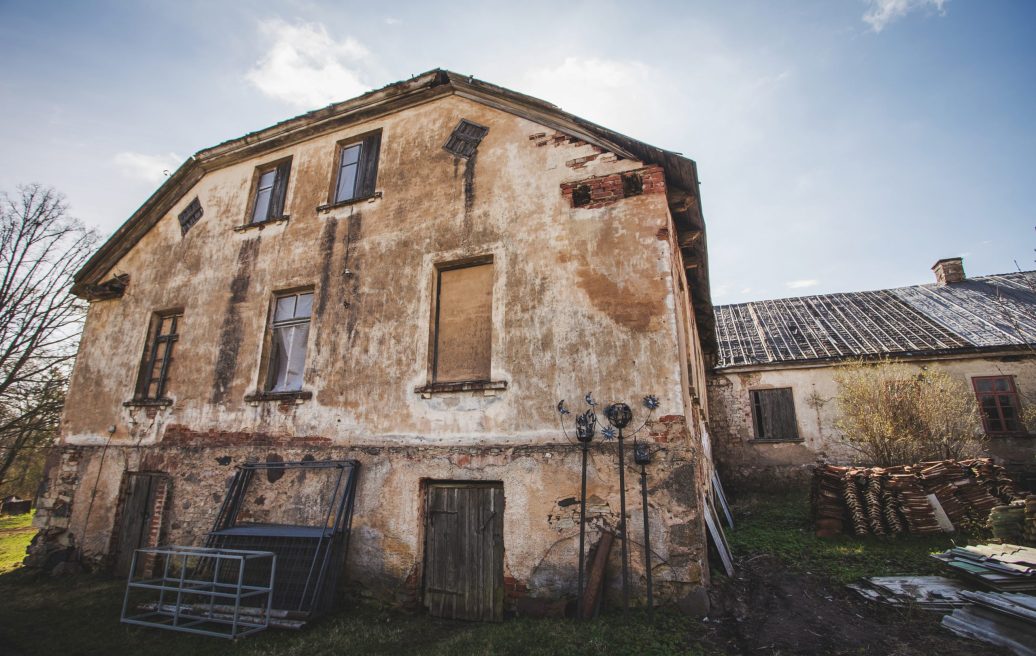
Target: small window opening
point(581, 196)
point(464, 140)
point(773, 414)
point(190, 215)
point(632, 185)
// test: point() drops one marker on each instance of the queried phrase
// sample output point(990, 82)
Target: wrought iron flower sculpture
point(562, 410)
point(586, 425)
point(590, 400)
point(608, 433)
point(619, 415)
point(651, 402)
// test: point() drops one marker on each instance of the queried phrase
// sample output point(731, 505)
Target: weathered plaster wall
point(740, 457)
point(583, 298)
point(541, 488)
point(580, 296)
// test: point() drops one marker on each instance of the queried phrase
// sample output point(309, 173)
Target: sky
point(842, 145)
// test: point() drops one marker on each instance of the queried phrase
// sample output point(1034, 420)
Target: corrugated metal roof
point(979, 313)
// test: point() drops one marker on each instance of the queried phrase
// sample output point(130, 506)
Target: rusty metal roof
point(980, 313)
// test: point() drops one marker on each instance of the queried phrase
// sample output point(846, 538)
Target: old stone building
point(411, 279)
point(772, 393)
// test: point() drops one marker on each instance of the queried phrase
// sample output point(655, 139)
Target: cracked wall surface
point(583, 298)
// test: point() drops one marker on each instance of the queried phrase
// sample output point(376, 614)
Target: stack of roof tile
point(1030, 518)
point(925, 498)
point(828, 506)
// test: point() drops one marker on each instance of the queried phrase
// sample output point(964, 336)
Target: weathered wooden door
point(139, 501)
point(464, 551)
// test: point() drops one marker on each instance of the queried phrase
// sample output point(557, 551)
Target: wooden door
point(464, 551)
point(139, 501)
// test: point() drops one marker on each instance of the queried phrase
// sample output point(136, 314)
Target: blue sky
point(842, 144)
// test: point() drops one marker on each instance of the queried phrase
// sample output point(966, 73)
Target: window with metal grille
point(773, 414)
point(270, 187)
point(463, 337)
point(190, 215)
point(290, 333)
point(464, 140)
point(357, 168)
point(998, 400)
point(158, 356)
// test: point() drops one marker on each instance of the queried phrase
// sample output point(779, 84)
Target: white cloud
point(307, 68)
point(801, 284)
point(720, 106)
point(392, 21)
point(148, 168)
point(883, 12)
point(746, 290)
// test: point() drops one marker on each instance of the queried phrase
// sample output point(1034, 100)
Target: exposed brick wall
point(600, 191)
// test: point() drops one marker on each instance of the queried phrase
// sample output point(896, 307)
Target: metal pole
point(647, 542)
point(582, 534)
point(622, 527)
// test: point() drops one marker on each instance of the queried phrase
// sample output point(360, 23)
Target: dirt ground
point(768, 609)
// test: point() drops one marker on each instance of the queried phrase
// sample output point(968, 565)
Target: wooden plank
point(464, 575)
point(134, 523)
point(595, 578)
point(464, 324)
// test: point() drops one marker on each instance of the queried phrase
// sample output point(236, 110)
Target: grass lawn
point(779, 525)
point(16, 532)
point(80, 614)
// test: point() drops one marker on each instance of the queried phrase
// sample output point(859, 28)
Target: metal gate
point(142, 497)
point(464, 551)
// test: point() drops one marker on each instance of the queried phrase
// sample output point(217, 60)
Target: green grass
point(80, 615)
point(780, 525)
point(15, 534)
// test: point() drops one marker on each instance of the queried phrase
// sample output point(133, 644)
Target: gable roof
point(680, 172)
point(994, 312)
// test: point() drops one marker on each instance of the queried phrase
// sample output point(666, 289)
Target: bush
point(895, 414)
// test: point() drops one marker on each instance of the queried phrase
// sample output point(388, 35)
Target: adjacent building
point(772, 392)
point(412, 279)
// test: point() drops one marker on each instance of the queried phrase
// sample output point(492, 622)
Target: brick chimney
point(949, 270)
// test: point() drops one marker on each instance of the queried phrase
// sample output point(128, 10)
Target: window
point(270, 188)
point(464, 140)
point(463, 323)
point(190, 215)
point(773, 413)
point(998, 399)
point(357, 168)
point(290, 332)
point(158, 356)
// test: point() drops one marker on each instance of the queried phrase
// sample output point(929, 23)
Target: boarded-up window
point(773, 412)
point(464, 324)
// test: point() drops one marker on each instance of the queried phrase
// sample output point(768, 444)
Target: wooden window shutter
point(280, 188)
point(464, 324)
point(773, 412)
point(368, 165)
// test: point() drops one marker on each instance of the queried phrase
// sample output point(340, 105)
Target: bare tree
point(41, 248)
point(894, 414)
